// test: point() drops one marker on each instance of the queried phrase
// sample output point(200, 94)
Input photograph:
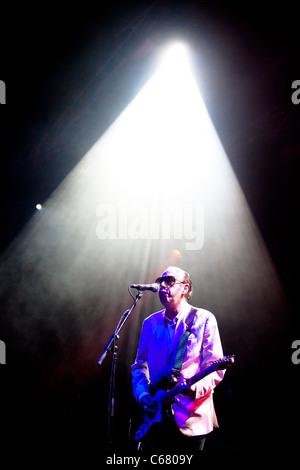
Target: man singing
point(162, 354)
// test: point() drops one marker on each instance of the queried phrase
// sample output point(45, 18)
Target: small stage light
point(176, 253)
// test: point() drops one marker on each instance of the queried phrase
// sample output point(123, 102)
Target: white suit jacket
point(156, 356)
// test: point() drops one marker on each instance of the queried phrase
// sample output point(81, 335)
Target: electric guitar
point(162, 396)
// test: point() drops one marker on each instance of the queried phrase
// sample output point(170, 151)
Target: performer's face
point(172, 287)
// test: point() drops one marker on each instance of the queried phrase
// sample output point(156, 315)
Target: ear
point(185, 289)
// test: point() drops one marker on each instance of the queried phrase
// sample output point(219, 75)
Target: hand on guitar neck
point(190, 391)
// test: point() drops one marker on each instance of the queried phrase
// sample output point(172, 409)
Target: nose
point(163, 284)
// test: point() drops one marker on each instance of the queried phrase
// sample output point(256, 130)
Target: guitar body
point(157, 416)
point(163, 398)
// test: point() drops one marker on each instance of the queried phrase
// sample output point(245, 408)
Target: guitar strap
point(175, 373)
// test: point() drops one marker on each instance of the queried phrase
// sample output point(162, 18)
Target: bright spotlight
point(39, 207)
point(175, 56)
point(163, 132)
point(160, 163)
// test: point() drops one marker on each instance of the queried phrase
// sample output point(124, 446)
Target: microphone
point(152, 287)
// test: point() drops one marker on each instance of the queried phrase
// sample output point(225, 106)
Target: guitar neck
point(170, 394)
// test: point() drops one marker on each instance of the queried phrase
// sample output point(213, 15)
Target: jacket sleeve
point(211, 350)
point(139, 370)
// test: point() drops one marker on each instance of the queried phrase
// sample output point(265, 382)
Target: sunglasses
point(168, 280)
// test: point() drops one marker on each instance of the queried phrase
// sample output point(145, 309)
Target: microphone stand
point(112, 345)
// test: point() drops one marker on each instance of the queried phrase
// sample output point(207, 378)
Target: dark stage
point(75, 139)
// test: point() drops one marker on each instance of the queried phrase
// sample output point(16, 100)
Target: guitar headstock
point(223, 363)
